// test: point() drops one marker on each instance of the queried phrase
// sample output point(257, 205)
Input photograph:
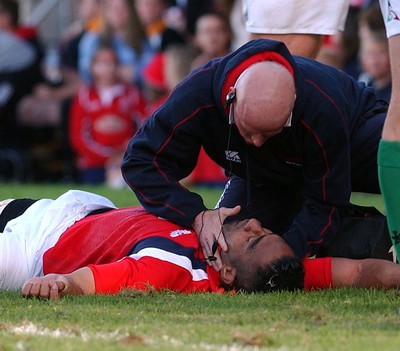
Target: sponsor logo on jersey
point(179, 232)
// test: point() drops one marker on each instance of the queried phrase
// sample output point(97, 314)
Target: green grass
point(120, 197)
point(345, 319)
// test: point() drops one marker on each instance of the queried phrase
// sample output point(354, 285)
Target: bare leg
point(306, 45)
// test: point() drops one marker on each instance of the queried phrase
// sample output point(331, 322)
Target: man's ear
point(228, 274)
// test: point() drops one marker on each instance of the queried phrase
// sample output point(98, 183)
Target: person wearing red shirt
point(127, 247)
point(103, 118)
point(82, 244)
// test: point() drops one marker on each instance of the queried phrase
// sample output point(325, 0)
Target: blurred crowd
point(68, 110)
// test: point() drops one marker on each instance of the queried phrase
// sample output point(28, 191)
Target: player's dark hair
point(285, 273)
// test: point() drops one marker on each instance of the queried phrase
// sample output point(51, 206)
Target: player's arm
point(366, 273)
point(54, 286)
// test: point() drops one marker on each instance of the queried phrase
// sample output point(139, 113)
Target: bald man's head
point(265, 95)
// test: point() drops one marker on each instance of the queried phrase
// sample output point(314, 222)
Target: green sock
point(389, 180)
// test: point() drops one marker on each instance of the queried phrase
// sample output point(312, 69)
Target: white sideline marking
point(31, 329)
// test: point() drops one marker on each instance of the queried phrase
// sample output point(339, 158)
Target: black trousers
point(363, 231)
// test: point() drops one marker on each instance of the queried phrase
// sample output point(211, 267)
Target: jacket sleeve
point(165, 150)
point(327, 182)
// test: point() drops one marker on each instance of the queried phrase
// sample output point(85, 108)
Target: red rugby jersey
point(130, 248)
point(160, 253)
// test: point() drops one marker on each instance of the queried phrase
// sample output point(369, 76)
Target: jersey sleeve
point(318, 273)
point(142, 274)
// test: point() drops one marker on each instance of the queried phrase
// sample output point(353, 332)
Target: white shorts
point(391, 16)
point(27, 237)
point(295, 16)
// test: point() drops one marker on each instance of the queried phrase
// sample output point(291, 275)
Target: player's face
point(104, 67)
point(250, 243)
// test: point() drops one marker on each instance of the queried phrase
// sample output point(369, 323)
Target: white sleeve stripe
point(181, 261)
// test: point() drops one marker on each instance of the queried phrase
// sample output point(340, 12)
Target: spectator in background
point(370, 20)
point(151, 15)
point(240, 36)
point(20, 55)
point(88, 19)
point(212, 37)
point(103, 119)
point(375, 63)
point(122, 29)
point(374, 51)
point(188, 11)
point(163, 73)
point(62, 81)
point(350, 44)
point(16, 57)
point(47, 108)
point(343, 50)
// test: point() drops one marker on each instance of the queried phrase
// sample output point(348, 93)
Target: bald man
point(295, 136)
point(275, 109)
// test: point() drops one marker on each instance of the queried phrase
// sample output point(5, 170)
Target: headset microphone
point(230, 98)
point(214, 248)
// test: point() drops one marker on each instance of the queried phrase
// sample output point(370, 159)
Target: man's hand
point(208, 226)
point(55, 286)
point(51, 286)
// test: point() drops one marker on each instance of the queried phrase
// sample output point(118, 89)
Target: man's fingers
point(32, 287)
point(26, 288)
point(227, 212)
point(208, 225)
point(217, 264)
point(56, 289)
point(222, 243)
point(44, 287)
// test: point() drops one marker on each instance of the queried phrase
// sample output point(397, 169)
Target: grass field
point(345, 319)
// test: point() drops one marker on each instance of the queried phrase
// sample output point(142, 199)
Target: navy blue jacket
point(316, 152)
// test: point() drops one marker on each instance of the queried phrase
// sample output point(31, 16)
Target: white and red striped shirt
point(130, 248)
point(125, 248)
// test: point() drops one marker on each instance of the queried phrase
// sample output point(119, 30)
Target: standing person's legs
point(389, 147)
point(307, 45)
point(389, 176)
point(299, 24)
